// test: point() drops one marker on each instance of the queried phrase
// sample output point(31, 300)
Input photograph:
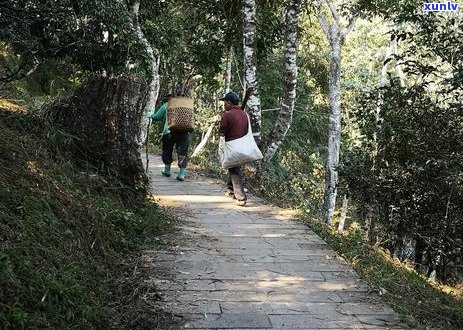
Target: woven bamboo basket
point(180, 117)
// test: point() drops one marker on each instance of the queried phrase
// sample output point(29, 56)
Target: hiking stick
point(146, 144)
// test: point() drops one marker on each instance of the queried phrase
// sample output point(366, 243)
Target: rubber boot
point(166, 170)
point(181, 174)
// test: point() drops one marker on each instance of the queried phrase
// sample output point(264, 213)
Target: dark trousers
point(235, 183)
point(181, 141)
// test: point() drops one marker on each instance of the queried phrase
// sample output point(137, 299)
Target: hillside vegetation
point(423, 303)
point(68, 240)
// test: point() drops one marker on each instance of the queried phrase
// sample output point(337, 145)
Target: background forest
point(357, 107)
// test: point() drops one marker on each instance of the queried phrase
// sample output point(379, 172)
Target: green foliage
point(313, 56)
point(65, 40)
point(183, 53)
point(295, 177)
point(402, 10)
point(407, 171)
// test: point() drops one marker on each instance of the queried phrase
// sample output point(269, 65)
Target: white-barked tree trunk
point(336, 39)
point(285, 116)
point(250, 65)
point(154, 79)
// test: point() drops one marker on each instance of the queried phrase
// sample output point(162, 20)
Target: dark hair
point(231, 97)
point(166, 97)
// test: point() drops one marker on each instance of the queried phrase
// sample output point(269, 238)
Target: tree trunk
point(104, 115)
point(206, 136)
point(382, 80)
point(285, 116)
point(228, 76)
point(154, 57)
point(370, 227)
point(336, 39)
point(153, 93)
point(342, 220)
point(439, 260)
point(334, 136)
point(250, 65)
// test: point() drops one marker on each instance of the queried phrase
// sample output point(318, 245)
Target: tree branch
point(322, 19)
point(333, 10)
point(347, 29)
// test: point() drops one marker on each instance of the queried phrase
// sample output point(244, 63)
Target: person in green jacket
point(180, 140)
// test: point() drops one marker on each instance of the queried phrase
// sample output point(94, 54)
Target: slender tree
point(154, 58)
point(336, 39)
point(285, 116)
point(228, 73)
point(250, 64)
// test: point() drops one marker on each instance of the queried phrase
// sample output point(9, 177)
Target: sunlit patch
point(152, 199)
point(334, 286)
point(11, 106)
point(33, 168)
point(273, 235)
point(281, 282)
point(192, 200)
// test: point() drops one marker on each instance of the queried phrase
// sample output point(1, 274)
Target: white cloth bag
point(239, 151)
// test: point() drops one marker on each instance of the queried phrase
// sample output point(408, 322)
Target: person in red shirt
point(234, 125)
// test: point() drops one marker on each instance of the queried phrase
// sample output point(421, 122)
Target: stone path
point(252, 267)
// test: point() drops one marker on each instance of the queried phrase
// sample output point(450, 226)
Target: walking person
point(234, 125)
point(179, 140)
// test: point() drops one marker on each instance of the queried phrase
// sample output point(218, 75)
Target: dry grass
point(12, 105)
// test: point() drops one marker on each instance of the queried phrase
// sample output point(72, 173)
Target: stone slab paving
point(252, 267)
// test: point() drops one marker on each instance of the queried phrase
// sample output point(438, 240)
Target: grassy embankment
point(424, 304)
point(70, 237)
